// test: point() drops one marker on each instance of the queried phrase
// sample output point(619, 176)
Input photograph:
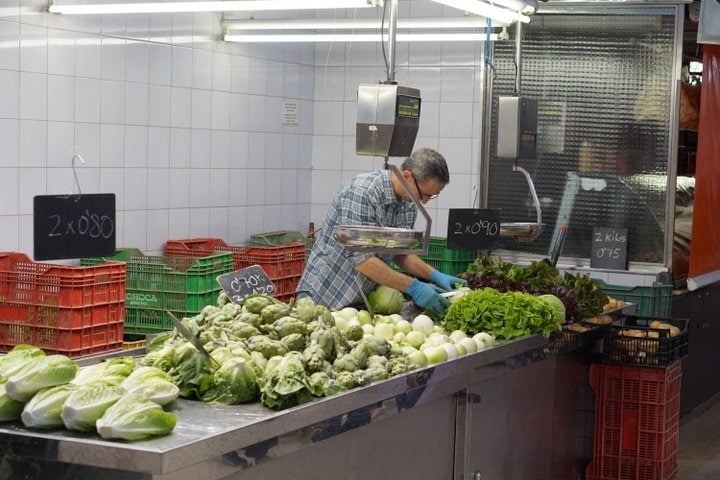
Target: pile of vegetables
point(284, 355)
point(270, 351)
point(582, 296)
point(505, 315)
point(113, 398)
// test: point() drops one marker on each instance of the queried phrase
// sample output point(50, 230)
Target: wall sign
point(290, 113)
point(609, 248)
point(473, 229)
point(73, 226)
point(247, 281)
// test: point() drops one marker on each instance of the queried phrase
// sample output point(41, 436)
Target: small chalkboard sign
point(472, 228)
point(73, 226)
point(247, 281)
point(609, 248)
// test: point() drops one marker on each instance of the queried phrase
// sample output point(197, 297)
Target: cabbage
point(113, 370)
point(285, 383)
point(88, 403)
point(42, 372)
point(133, 417)
point(153, 384)
point(385, 300)
point(43, 409)
point(9, 409)
point(234, 382)
point(557, 305)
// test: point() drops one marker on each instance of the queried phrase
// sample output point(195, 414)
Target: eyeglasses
point(423, 195)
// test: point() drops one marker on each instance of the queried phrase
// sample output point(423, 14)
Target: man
point(378, 198)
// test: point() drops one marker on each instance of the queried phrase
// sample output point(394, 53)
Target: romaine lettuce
point(87, 403)
point(41, 372)
point(43, 409)
point(151, 383)
point(133, 417)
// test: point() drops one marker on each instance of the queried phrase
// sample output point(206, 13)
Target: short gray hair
point(427, 164)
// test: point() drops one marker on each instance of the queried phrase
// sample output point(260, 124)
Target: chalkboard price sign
point(472, 228)
point(73, 226)
point(609, 248)
point(247, 281)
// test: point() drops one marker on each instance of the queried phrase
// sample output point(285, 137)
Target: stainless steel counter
point(212, 442)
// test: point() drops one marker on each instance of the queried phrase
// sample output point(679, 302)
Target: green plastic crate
point(121, 255)
point(653, 301)
point(277, 238)
point(143, 321)
point(452, 262)
point(183, 285)
point(178, 274)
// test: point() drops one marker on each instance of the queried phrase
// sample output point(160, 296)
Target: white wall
point(186, 130)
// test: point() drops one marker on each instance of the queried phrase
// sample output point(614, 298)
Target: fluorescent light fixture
point(359, 24)
point(364, 37)
point(209, 6)
point(485, 9)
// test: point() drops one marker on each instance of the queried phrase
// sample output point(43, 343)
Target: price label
point(609, 248)
point(473, 229)
point(73, 226)
point(247, 281)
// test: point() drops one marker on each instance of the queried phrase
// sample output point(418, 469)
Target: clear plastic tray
point(383, 237)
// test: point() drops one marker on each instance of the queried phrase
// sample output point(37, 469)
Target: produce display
point(505, 315)
point(582, 296)
point(111, 398)
point(283, 355)
point(646, 341)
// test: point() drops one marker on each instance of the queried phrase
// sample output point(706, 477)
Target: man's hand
point(446, 281)
point(427, 296)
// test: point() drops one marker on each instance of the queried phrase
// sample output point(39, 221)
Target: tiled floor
point(699, 446)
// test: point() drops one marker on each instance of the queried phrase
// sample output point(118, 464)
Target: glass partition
point(603, 79)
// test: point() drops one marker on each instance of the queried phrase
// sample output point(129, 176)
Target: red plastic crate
point(286, 288)
point(76, 342)
point(26, 282)
point(637, 419)
point(71, 310)
point(277, 261)
point(193, 247)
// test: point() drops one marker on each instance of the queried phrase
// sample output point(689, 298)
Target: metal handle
point(531, 237)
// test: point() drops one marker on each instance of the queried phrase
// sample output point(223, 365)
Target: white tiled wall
point(187, 130)
point(184, 129)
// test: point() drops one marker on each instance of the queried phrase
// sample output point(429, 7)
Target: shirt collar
point(390, 197)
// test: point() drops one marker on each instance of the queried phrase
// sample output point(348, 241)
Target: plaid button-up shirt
point(367, 199)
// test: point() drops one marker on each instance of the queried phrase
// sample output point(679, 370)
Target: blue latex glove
point(446, 281)
point(427, 295)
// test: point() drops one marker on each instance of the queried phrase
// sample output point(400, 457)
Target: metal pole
point(518, 51)
point(391, 40)
point(485, 130)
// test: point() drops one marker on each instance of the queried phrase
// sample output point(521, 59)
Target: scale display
point(408, 106)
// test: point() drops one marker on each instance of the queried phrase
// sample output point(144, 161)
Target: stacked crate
point(447, 260)
point(71, 310)
point(450, 261)
point(637, 417)
point(283, 264)
point(653, 300)
point(182, 285)
point(637, 400)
